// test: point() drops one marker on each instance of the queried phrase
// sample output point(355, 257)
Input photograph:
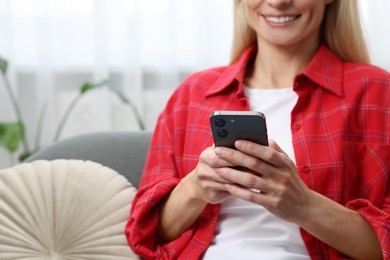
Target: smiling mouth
point(281, 19)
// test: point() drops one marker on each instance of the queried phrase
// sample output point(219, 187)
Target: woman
point(323, 180)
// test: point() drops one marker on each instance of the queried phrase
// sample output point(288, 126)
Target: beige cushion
point(64, 209)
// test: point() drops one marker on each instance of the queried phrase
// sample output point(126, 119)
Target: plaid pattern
point(341, 138)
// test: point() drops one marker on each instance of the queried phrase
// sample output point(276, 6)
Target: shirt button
point(306, 169)
point(297, 126)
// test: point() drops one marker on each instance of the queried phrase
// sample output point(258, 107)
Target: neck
point(277, 66)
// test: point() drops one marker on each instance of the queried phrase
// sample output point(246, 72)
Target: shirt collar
point(325, 69)
point(234, 72)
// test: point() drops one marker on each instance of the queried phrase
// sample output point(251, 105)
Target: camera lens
point(222, 133)
point(219, 122)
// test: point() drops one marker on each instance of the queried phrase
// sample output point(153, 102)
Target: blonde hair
point(341, 32)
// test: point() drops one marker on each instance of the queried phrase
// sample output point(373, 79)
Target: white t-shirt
point(246, 230)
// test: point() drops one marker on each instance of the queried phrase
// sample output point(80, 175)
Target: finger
point(210, 158)
point(250, 162)
point(258, 198)
point(207, 173)
point(265, 153)
point(215, 186)
point(245, 179)
point(274, 145)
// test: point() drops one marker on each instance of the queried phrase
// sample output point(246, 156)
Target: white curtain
point(376, 26)
point(145, 47)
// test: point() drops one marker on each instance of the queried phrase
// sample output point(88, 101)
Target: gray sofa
point(124, 152)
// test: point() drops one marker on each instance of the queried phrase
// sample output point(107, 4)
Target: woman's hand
point(204, 180)
point(270, 170)
point(201, 186)
point(284, 194)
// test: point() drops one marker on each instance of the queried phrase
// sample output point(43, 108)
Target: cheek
point(310, 5)
point(314, 10)
point(251, 4)
point(250, 9)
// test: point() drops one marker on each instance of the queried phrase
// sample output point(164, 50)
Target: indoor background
point(143, 48)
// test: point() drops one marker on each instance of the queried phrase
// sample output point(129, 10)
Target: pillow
point(64, 209)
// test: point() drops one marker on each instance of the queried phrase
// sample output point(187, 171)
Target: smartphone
point(229, 126)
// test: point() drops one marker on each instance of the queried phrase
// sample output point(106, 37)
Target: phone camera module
point(222, 133)
point(219, 122)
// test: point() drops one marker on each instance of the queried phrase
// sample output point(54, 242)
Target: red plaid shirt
point(341, 137)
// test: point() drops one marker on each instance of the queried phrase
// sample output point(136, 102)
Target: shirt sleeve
point(376, 209)
point(182, 132)
point(161, 174)
point(158, 180)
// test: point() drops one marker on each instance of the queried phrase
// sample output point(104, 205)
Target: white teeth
point(280, 19)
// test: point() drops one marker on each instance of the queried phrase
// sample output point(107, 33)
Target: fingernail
point(219, 150)
point(238, 144)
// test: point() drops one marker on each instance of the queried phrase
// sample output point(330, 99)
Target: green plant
point(12, 134)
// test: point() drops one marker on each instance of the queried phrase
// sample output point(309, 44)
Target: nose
point(278, 3)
